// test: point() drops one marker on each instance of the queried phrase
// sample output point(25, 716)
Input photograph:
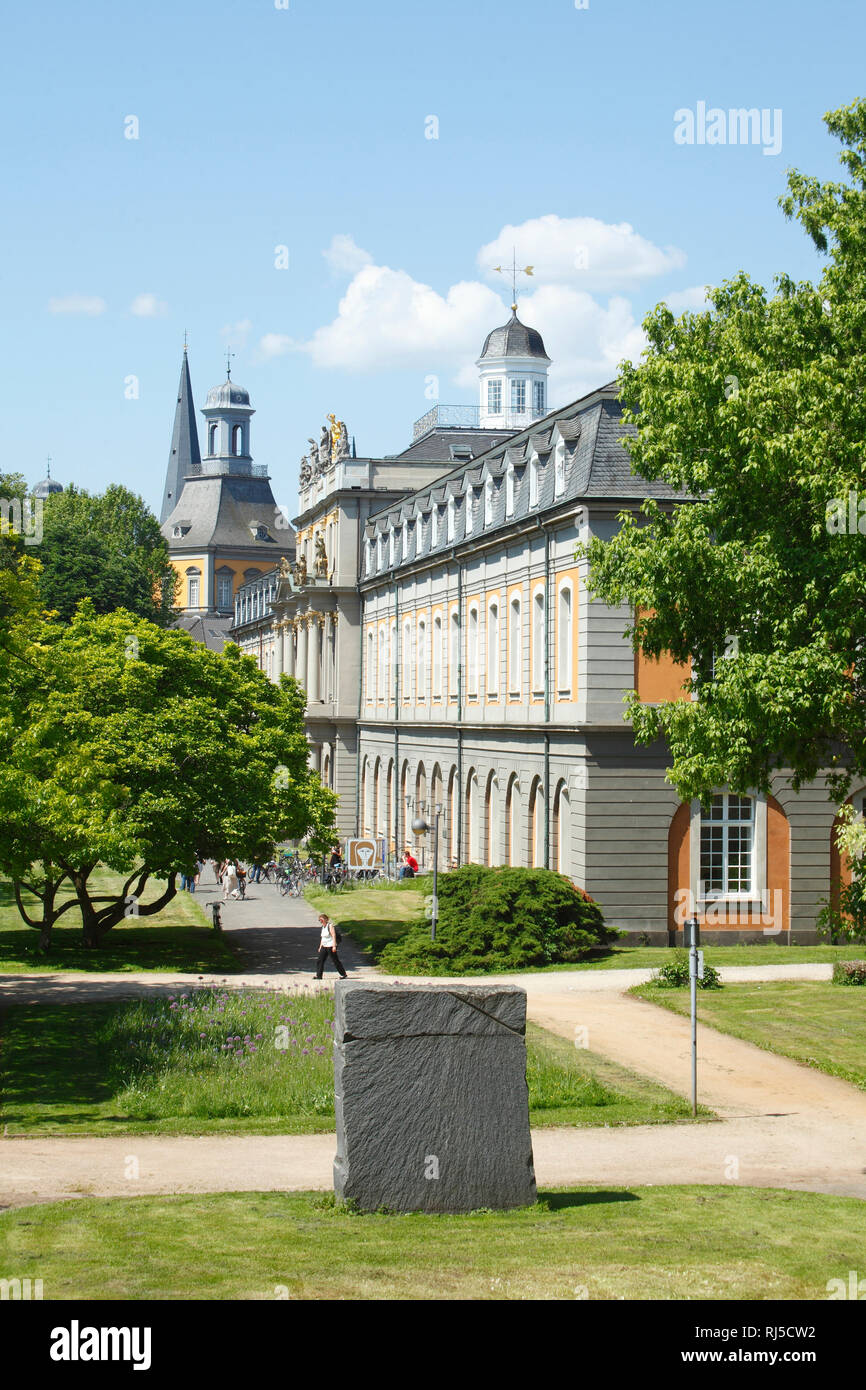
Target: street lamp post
point(420, 826)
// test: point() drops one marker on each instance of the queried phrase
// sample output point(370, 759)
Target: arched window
point(453, 819)
point(534, 480)
point(381, 686)
point(493, 655)
point(237, 440)
point(515, 646)
point(454, 655)
point(390, 659)
point(407, 659)
point(422, 660)
point(377, 797)
point(488, 501)
point(559, 469)
point(562, 830)
point(538, 814)
point(565, 640)
point(472, 652)
point(437, 657)
point(538, 642)
point(473, 826)
point(193, 584)
point(212, 437)
point(492, 817)
point(364, 819)
point(371, 669)
point(514, 824)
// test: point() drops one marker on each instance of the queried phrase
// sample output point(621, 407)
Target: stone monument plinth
point(431, 1097)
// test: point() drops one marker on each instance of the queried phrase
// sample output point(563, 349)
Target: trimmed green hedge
point(500, 919)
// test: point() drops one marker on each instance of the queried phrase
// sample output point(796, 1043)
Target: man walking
point(329, 940)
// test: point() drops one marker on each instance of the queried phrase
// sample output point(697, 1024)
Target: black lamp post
point(420, 826)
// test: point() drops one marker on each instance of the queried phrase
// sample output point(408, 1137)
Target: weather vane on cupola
point(229, 356)
point(515, 270)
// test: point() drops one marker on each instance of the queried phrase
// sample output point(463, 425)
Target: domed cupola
point(513, 376)
point(48, 487)
point(227, 441)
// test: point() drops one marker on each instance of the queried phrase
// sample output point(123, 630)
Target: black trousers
point(325, 953)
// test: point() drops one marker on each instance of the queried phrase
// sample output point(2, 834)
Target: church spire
point(185, 453)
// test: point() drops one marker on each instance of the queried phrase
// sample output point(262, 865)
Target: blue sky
point(306, 127)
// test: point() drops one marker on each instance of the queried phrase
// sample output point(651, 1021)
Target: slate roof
point(184, 443)
point(438, 445)
point(219, 510)
point(575, 454)
point(212, 632)
point(514, 339)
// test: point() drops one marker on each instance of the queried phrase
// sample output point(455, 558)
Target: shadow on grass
point(558, 1201)
point(52, 1062)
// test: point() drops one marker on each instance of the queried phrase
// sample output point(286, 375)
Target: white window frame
point(559, 469)
point(518, 395)
point(472, 639)
point(494, 646)
point(564, 649)
point(538, 633)
point(437, 656)
point(451, 518)
point(422, 661)
point(713, 898)
point(509, 490)
point(488, 501)
point(454, 653)
point(494, 395)
point(407, 659)
point(470, 507)
point(534, 480)
point(538, 397)
point(515, 644)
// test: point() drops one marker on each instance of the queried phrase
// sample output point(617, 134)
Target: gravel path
point(782, 1125)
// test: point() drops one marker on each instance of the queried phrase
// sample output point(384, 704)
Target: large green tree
point(107, 548)
point(757, 408)
point(125, 744)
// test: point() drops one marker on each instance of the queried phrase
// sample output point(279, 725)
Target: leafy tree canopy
point(756, 407)
point(139, 748)
point(108, 549)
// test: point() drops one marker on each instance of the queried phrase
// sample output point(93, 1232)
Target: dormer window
point(534, 480)
point(559, 469)
point(434, 526)
point(509, 490)
point(452, 518)
point(488, 501)
point(470, 508)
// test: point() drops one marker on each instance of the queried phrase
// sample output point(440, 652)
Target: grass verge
point(819, 1024)
point(180, 938)
point(672, 1243)
point(216, 1062)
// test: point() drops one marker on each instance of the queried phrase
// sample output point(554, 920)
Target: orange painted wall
point(658, 680)
point(777, 869)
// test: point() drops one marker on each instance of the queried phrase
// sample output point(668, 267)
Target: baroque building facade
point(454, 658)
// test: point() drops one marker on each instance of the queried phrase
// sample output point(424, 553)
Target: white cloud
point(236, 334)
point(344, 256)
point(78, 304)
point(277, 345)
point(386, 319)
point(580, 251)
point(147, 306)
point(693, 300)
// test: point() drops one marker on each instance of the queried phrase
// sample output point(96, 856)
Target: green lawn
point(676, 1243)
point(821, 1025)
point(375, 915)
point(180, 938)
point(163, 1067)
